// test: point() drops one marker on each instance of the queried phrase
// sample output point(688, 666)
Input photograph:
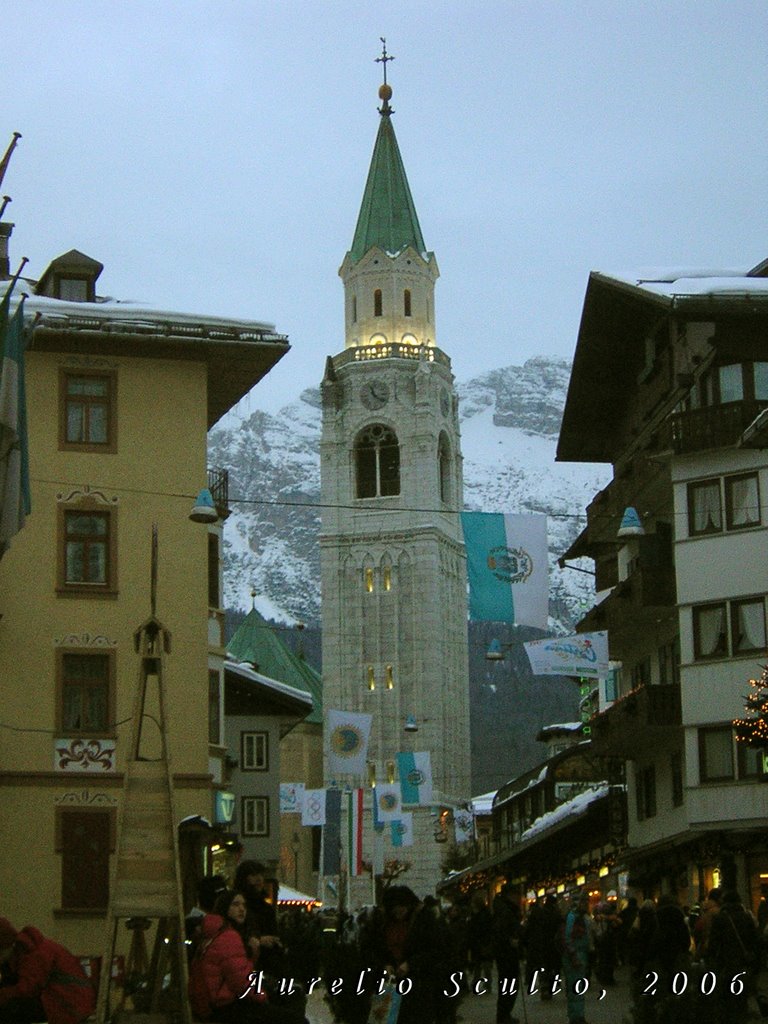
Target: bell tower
point(394, 602)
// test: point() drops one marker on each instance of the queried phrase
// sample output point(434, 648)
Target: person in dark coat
point(542, 951)
point(479, 939)
point(42, 980)
point(407, 940)
point(507, 931)
point(640, 942)
point(734, 947)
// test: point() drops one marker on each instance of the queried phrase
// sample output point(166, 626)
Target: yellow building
point(119, 400)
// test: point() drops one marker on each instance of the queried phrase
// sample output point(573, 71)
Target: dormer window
point(71, 277)
point(72, 289)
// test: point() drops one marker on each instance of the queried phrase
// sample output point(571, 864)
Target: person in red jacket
point(224, 980)
point(41, 980)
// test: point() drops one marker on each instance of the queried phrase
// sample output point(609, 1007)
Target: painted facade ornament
point(84, 755)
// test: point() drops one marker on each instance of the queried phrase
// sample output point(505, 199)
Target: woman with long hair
point(224, 975)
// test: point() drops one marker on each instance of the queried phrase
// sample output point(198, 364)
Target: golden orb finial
point(385, 92)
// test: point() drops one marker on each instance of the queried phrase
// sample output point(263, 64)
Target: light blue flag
point(507, 568)
point(415, 771)
point(401, 831)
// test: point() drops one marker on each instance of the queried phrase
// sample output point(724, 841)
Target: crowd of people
point(248, 967)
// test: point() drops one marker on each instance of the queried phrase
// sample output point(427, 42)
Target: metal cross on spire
point(385, 57)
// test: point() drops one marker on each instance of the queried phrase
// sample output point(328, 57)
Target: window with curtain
point(748, 625)
point(85, 693)
point(710, 638)
point(731, 383)
point(716, 754)
point(761, 381)
point(742, 501)
point(704, 508)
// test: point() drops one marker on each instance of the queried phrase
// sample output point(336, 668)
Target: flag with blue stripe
point(507, 568)
point(415, 771)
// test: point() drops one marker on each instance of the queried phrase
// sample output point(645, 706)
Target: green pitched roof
point(387, 215)
point(256, 642)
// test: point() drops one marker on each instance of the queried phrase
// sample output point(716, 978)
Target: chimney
point(5, 263)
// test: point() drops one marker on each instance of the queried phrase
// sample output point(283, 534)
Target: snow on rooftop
point(577, 805)
point(125, 310)
point(562, 727)
point(247, 671)
point(684, 281)
point(483, 804)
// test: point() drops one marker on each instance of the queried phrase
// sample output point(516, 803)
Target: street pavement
point(614, 1008)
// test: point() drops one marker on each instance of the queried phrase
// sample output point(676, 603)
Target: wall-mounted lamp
point(204, 510)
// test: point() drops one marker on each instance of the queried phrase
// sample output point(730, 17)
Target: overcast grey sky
point(213, 154)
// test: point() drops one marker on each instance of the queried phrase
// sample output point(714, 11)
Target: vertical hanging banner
point(355, 831)
point(387, 801)
point(415, 771)
point(15, 502)
point(291, 797)
point(348, 734)
point(507, 567)
point(313, 807)
point(332, 832)
point(401, 831)
point(463, 825)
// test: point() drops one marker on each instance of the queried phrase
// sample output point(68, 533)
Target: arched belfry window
point(444, 468)
point(377, 306)
point(377, 463)
point(407, 302)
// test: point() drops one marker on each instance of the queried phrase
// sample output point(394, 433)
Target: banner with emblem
point(463, 825)
point(401, 831)
point(507, 567)
point(313, 807)
point(583, 655)
point(348, 734)
point(387, 802)
point(291, 797)
point(415, 771)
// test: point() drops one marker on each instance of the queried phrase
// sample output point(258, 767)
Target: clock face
point(445, 402)
point(374, 394)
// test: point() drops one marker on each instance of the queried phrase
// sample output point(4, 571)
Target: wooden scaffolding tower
point(146, 878)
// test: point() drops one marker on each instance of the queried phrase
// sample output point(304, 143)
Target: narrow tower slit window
point(387, 577)
point(407, 302)
point(371, 678)
point(354, 309)
point(389, 677)
point(377, 304)
point(369, 580)
point(444, 468)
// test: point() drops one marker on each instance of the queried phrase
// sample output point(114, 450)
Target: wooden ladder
point(146, 877)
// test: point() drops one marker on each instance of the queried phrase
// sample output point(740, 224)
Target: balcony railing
point(218, 485)
point(715, 426)
point(633, 722)
point(392, 350)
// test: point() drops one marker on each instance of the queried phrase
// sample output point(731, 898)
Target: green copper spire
point(387, 214)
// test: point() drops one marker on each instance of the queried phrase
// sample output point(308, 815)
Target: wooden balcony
point(715, 426)
point(636, 721)
point(218, 485)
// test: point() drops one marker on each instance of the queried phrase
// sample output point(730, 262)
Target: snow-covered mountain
point(509, 424)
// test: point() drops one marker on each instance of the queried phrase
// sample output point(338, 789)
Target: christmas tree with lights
point(753, 730)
